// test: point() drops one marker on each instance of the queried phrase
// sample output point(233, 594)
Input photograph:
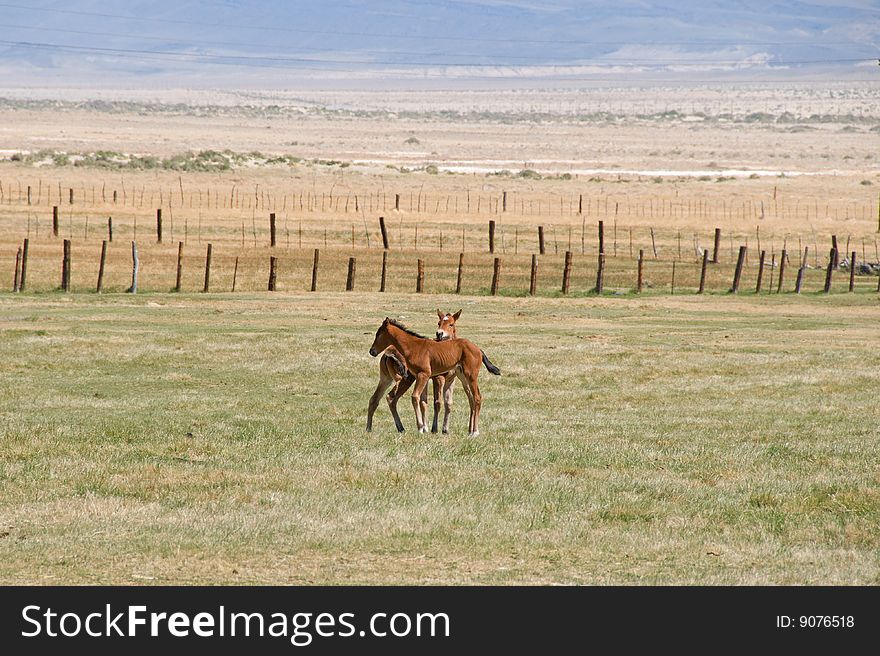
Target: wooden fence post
point(496, 272)
point(782, 259)
point(852, 271)
point(70, 196)
point(17, 277)
point(24, 260)
point(207, 269)
point(315, 271)
point(717, 246)
point(235, 273)
point(109, 228)
point(566, 273)
point(541, 239)
point(737, 274)
point(384, 269)
point(491, 236)
point(349, 281)
point(641, 270)
point(834, 248)
point(179, 266)
point(273, 266)
point(533, 279)
point(799, 280)
point(600, 273)
point(384, 232)
point(135, 266)
point(832, 258)
point(703, 272)
point(460, 268)
point(761, 272)
point(601, 236)
point(272, 229)
point(503, 200)
point(159, 225)
point(65, 267)
point(100, 286)
point(420, 276)
point(54, 220)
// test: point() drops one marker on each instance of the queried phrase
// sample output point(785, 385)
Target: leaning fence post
point(460, 268)
point(384, 269)
point(235, 273)
point(737, 274)
point(207, 269)
point(496, 272)
point(852, 271)
point(834, 248)
point(832, 258)
point(349, 281)
point(799, 280)
point(761, 272)
point(135, 265)
point(703, 272)
point(17, 277)
point(384, 232)
point(100, 286)
point(600, 273)
point(566, 272)
point(533, 279)
point(65, 267)
point(273, 264)
point(179, 266)
point(782, 259)
point(641, 270)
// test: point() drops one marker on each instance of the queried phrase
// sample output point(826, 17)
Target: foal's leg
point(402, 385)
point(423, 404)
point(421, 383)
point(439, 383)
point(466, 385)
point(447, 402)
point(384, 383)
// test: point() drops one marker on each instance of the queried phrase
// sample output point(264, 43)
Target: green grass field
point(217, 439)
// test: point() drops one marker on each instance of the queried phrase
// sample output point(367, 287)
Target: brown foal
point(392, 372)
point(426, 358)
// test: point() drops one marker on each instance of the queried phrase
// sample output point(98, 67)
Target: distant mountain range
point(276, 42)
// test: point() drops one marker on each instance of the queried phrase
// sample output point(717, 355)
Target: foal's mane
point(397, 324)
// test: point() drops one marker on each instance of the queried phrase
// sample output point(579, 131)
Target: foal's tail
point(491, 367)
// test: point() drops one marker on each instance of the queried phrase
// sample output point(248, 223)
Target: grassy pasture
point(219, 439)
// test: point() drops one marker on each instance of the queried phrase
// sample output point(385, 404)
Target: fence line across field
point(626, 277)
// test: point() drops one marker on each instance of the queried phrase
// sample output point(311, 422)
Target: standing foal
point(392, 371)
point(427, 358)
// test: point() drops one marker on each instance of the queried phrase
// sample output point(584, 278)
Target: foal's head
point(381, 342)
point(446, 325)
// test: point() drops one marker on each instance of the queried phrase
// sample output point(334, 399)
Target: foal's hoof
point(474, 434)
point(401, 430)
point(445, 432)
point(424, 429)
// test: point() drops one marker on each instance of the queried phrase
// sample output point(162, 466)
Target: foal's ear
point(439, 314)
point(456, 315)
